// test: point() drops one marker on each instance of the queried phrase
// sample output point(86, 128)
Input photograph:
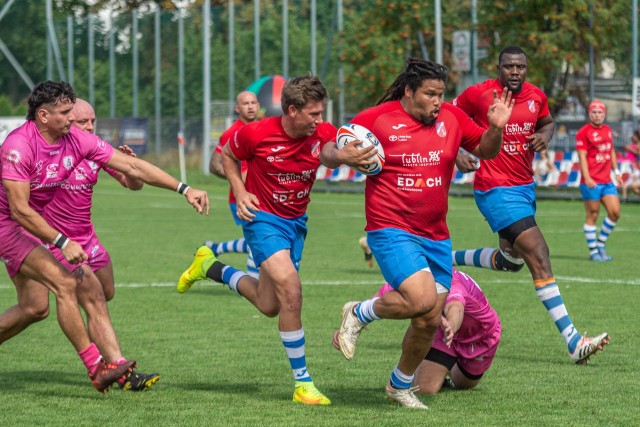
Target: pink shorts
point(474, 357)
point(15, 244)
point(98, 256)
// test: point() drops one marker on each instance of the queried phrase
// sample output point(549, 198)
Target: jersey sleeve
point(224, 138)
point(581, 139)
point(17, 158)
point(471, 131)
point(243, 142)
point(327, 132)
point(466, 100)
point(93, 147)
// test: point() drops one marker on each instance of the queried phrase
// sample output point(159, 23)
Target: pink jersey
point(27, 157)
point(411, 192)
point(479, 322)
point(282, 169)
point(598, 143)
point(226, 136)
point(513, 166)
point(70, 210)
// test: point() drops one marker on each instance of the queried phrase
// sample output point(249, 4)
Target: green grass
point(222, 363)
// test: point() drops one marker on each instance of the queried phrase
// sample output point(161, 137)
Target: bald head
point(247, 106)
point(85, 116)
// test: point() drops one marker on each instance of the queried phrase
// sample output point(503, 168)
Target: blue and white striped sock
point(294, 345)
point(549, 294)
point(606, 229)
point(239, 246)
point(364, 311)
point(400, 380)
point(482, 258)
point(231, 277)
point(590, 235)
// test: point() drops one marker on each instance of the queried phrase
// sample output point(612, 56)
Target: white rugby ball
point(352, 131)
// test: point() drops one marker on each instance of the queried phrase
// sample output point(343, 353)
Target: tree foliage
point(378, 36)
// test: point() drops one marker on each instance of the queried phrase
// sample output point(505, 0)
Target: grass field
point(222, 363)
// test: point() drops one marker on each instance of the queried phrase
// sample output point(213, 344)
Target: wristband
point(182, 188)
point(617, 173)
point(61, 241)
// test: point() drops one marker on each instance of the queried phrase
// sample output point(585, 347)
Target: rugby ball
point(350, 132)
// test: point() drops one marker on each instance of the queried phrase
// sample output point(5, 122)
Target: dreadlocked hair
point(416, 71)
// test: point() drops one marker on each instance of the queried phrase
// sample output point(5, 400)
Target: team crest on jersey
point(441, 130)
point(67, 162)
point(532, 105)
point(315, 149)
point(93, 166)
point(14, 156)
point(80, 174)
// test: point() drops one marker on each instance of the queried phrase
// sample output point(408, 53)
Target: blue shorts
point(234, 213)
point(503, 206)
point(599, 192)
point(267, 234)
point(401, 254)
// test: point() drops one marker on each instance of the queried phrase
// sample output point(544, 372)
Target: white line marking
point(561, 279)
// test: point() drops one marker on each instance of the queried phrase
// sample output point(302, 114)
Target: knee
point(36, 312)
point(614, 215)
point(109, 292)
point(420, 308)
point(504, 263)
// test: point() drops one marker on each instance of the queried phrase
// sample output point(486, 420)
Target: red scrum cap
point(597, 105)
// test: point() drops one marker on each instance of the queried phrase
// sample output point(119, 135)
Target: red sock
point(90, 357)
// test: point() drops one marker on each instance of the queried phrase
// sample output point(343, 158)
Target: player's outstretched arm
point(124, 180)
point(18, 197)
point(498, 116)
point(135, 168)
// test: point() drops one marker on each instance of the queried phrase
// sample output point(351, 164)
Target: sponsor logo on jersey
point(291, 177)
point(525, 128)
point(417, 159)
point(80, 174)
point(416, 182)
point(290, 197)
point(52, 170)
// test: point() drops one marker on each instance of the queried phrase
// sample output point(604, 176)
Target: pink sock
point(90, 357)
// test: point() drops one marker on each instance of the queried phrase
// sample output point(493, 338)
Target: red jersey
point(281, 169)
point(598, 143)
point(513, 165)
point(226, 136)
point(411, 192)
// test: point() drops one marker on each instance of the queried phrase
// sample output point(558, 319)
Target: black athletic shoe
point(135, 381)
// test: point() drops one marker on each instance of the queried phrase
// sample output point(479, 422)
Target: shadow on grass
point(28, 382)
